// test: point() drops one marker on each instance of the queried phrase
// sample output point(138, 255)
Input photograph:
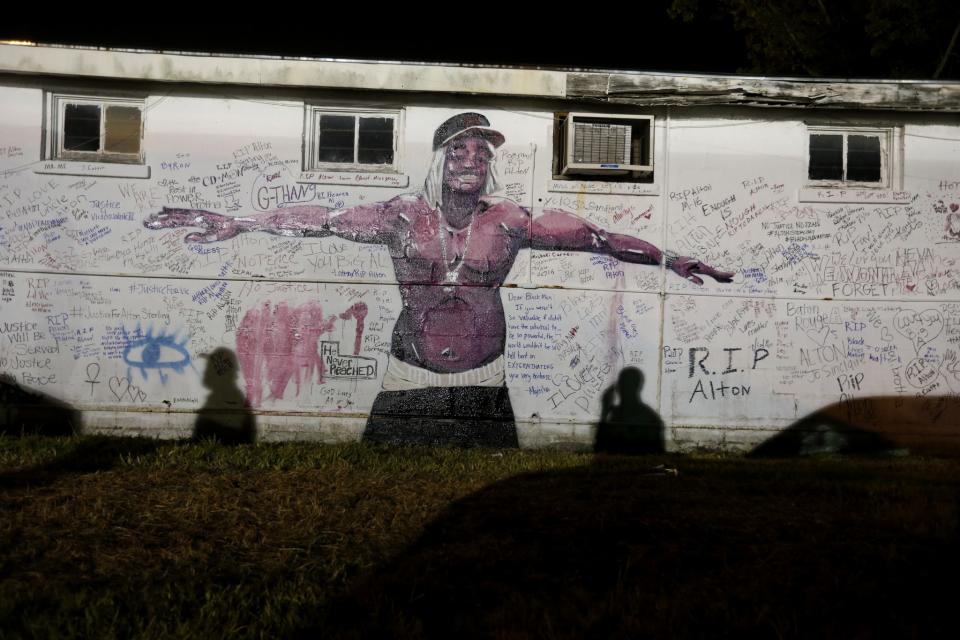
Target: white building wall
point(832, 302)
point(850, 304)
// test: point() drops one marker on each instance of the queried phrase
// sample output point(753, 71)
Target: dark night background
point(915, 39)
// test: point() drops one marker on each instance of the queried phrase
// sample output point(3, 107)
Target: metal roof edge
point(613, 86)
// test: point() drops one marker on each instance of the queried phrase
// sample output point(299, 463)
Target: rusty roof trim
point(642, 89)
point(646, 90)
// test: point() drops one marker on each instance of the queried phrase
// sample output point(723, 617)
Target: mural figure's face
point(467, 163)
point(953, 224)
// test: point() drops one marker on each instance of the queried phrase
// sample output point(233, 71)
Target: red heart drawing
point(954, 206)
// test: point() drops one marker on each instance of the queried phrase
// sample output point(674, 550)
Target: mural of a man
point(452, 246)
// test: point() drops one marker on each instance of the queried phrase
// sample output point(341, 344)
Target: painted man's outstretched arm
point(363, 223)
point(564, 231)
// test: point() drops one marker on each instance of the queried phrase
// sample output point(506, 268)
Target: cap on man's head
point(474, 124)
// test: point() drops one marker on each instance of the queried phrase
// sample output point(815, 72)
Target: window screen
point(97, 129)
point(354, 141)
point(848, 156)
point(81, 127)
point(121, 130)
point(375, 141)
point(826, 157)
point(863, 158)
point(335, 137)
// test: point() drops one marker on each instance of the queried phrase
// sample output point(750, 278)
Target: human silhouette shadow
point(627, 425)
point(28, 412)
point(225, 416)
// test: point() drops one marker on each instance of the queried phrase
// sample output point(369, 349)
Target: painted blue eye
point(156, 352)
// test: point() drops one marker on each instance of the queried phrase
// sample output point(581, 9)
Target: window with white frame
point(96, 128)
point(861, 157)
point(353, 140)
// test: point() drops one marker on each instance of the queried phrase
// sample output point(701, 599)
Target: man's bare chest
point(481, 253)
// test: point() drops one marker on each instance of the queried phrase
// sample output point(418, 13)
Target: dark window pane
point(376, 141)
point(826, 157)
point(122, 130)
point(863, 158)
point(335, 139)
point(81, 127)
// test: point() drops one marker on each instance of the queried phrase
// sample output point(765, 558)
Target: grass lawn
point(111, 538)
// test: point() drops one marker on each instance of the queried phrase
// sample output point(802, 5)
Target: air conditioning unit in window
point(604, 144)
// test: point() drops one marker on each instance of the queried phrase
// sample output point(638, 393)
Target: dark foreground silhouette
point(611, 551)
point(26, 412)
point(29, 411)
point(873, 425)
point(619, 549)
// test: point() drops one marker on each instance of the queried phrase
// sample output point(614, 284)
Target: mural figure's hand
point(215, 227)
point(688, 268)
point(952, 364)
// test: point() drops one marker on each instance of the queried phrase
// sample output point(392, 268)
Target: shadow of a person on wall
point(225, 416)
point(26, 412)
point(627, 425)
